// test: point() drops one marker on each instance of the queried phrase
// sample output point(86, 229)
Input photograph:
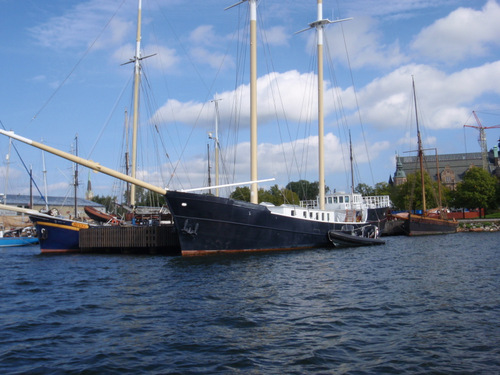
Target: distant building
point(399, 175)
point(65, 205)
point(452, 167)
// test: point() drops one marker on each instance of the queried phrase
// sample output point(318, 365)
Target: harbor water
point(428, 305)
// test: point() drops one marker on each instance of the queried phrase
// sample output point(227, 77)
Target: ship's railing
point(377, 201)
point(374, 201)
point(311, 203)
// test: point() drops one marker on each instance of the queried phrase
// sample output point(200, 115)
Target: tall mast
point(127, 158)
point(45, 189)
point(31, 187)
point(352, 163)
point(75, 184)
point(209, 178)
point(321, 119)
point(440, 203)
point(253, 101)
point(216, 141)
point(420, 150)
point(137, 73)
point(7, 173)
point(253, 97)
point(319, 25)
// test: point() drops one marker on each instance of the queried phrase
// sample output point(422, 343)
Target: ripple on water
point(415, 305)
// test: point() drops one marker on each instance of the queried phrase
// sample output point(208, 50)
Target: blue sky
point(62, 76)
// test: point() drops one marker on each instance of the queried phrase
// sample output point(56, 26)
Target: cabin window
point(322, 216)
point(317, 216)
point(329, 200)
point(310, 215)
point(334, 199)
point(293, 212)
point(341, 199)
point(327, 217)
point(305, 215)
point(347, 199)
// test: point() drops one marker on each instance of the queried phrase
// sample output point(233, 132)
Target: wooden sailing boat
point(417, 225)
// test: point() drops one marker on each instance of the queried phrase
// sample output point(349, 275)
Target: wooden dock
point(161, 239)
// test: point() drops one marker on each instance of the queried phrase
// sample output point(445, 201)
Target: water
point(428, 305)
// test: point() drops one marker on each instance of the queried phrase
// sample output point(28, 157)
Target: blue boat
point(54, 233)
point(17, 237)
point(57, 235)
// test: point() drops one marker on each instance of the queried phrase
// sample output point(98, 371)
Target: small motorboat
point(349, 236)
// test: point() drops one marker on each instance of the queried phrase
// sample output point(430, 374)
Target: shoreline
point(479, 225)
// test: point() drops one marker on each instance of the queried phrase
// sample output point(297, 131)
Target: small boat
point(100, 216)
point(349, 236)
point(58, 234)
point(55, 234)
point(18, 237)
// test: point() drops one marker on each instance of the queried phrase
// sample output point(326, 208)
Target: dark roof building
point(452, 167)
point(65, 205)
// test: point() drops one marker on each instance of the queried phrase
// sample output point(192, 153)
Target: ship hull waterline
point(417, 225)
point(17, 241)
point(209, 225)
point(58, 235)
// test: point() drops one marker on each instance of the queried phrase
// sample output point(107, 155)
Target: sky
point(65, 83)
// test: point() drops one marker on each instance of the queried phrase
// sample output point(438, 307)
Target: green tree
point(478, 189)
point(382, 188)
point(144, 197)
point(273, 195)
point(304, 189)
point(241, 194)
point(364, 189)
point(106, 201)
point(408, 196)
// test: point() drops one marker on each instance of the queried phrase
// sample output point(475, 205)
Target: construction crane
point(482, 138)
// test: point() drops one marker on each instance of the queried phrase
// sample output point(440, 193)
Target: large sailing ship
point(209, 224)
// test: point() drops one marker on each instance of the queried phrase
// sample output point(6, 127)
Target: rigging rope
point(76, 65)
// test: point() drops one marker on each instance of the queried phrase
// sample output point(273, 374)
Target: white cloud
point(277, 36)
point(166, 59)
point(204, 44)
point(443, 98)
point(277, 92)
point(203, 34)
point(464, 34)
point(365, 45)
point(80, 26)
point(214, 59)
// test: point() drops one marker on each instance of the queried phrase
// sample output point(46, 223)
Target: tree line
point(479, 189)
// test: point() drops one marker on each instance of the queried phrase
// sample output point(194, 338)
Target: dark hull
point(420, 226)
point(378, 216)
point(208, 224)
point(58, 235)
point(339, 238)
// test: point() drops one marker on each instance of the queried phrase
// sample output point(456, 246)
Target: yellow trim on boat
point(74, 226)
